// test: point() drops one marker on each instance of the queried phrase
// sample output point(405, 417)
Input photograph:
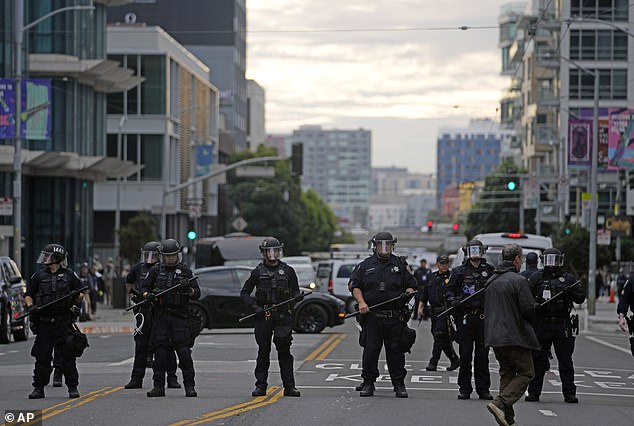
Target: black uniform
point(273, 284)
point(170, 330)
point(553, 328)
point(380, 281)
point(434, 292)
point(54, 324)
point(142, 349)
point(469, 318)
point(626, 294)
point(422, 276)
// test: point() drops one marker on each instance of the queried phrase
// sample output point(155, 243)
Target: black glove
point(406, 296)
point(33, 309)
point(299, 297)
point(257, 310)
point(185, 285)
point(137, 298)
point(455, 303)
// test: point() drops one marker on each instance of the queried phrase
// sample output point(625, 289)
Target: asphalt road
point(327, 369)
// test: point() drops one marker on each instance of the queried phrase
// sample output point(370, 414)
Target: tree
point(320, 223)
point(575, 247)
point(139, 230)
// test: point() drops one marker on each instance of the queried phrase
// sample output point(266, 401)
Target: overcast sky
point(401, 85)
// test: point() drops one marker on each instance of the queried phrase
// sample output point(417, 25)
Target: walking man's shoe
point(498, 414)
point(259, 391)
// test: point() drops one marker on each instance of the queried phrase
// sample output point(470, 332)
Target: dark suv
point(12, 290)
point(220, 305)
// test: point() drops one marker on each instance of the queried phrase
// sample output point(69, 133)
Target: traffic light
point(430, 225)
point(297, 159)
point(567, 230)
point(191, 234)
point(511, 185)
point(455, 227)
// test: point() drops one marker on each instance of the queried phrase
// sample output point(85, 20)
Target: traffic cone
point(611, 295)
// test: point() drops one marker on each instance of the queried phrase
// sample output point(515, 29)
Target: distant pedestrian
point(510, 311)
point(531, 265)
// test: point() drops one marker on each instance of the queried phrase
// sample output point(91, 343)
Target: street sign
point(6, 206)
point(239, 224)
point(603, 237)
point(621, 226)
point(195, 211)
point(530, 189)
point(586, 197)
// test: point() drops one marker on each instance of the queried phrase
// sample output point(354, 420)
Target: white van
point(334, 275)
point(494, 242)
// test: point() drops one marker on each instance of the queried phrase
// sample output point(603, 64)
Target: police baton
point(159, 294)
point(560, 294)
point(74, 293)
point(270, 308)
point(462, 302)
point(394, 299)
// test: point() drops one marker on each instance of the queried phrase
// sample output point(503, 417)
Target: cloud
point(318, 68)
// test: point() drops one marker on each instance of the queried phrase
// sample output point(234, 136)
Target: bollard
point(611, 294)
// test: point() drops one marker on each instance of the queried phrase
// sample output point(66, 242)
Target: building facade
point(215, 32)
point(168, 127)
point(256, 115)
point(337, 165)
point(467, 154)
point(68, 50)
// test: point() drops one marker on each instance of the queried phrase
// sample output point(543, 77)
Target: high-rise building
point(337, 165)
point(68, 51)
point(256, 117)
point(215, 32)
point(467, 154)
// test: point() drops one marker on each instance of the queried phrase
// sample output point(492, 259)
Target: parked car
point(494, 242)
point(220, 305)
point(334, 274)
point(12, 291)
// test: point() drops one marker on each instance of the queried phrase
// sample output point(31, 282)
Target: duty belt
point(553, 319)
point(387, 314)
point(53, 319)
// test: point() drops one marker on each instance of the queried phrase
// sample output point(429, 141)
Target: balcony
point(545, 137)
point(546, 57)
point(547, 97)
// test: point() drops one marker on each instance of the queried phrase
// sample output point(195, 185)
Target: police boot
point(291, 391)
point(455, 364)
point(400, 390)
point(172, 382)
point(432, 366)
point(57, 378)
point(156, 391)
point(134, 384)
point(190, 391)
point(73, 392)
point(571, 399)
point(368, 388)
point(358, 387)
point(259, 391)
point(149, 363)
point(38, 393)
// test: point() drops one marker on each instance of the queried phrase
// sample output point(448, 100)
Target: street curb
point(106, 329)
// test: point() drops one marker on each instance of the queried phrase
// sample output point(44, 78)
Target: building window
point(612, 84)
point(151, 157)
point(597, 45)
point(153, 88)
point(606, 10)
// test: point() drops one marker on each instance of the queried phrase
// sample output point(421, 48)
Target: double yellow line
point(74, 403)
point(325, 348)
point(273, 394)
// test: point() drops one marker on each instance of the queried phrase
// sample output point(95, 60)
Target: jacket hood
point(505, 266)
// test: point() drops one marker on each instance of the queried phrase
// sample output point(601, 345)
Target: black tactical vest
point(475, 279)
point(50, 288)
point(273, 285)
point(168, 277)
point(548, 287)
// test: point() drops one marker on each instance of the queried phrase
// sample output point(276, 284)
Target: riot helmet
point(552, 258)
point(474, 249)
point(150, 252)
point(170, 251)
point(271, 249)
point(383, 244)
point(53, 253)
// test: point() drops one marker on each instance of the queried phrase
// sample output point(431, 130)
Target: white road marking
point(609, 345)
point(12, 352)
point(124, 362)
point(548, 413)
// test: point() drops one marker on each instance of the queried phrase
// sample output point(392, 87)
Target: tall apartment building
point(553, 51)
point(215, 32)
point(168, 126)
point(256, 115)
point(337, 165)
point(467, 154)
point(68, 50)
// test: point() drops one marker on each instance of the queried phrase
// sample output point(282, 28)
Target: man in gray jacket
point(510, 310)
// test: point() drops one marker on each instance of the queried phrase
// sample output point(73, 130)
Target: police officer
point(434, 292)
point(465, 280)
point(274, 282)
point(170, 330)
point(142, 350)
point(553, 324)
point(626, 301)
point(53, 324)
point(531, 265)
point(378, 278)
point(422, 274)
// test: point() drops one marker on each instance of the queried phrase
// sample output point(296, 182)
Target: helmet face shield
point(272, 254)
point(48, 258)
point(149, 257)
point(384, 248)
point(474, 252)
point(45, 258)
point(553, 260)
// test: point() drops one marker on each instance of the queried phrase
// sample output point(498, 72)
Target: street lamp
point(117, 213)
point(20, 28)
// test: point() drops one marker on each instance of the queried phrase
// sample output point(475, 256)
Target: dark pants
point(381, 332)
point(170, 333)
point(470, 336)
point(279, 329)
point(555, 334)
point(442, 342)
point(50, 335)
point(516, 372)
point(143, 350)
